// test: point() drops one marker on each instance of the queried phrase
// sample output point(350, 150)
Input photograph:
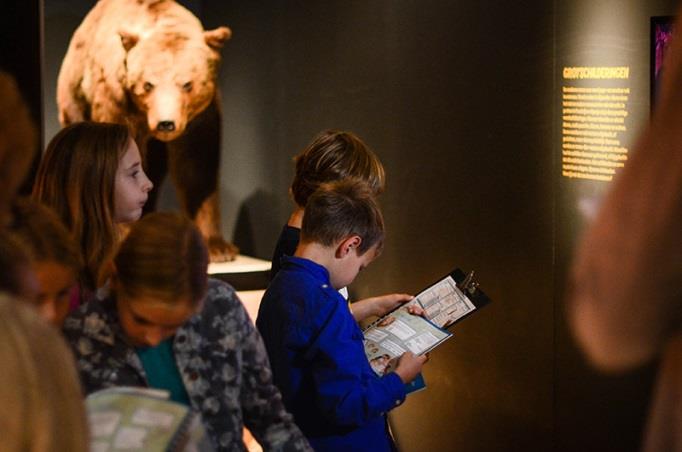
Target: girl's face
point(147, 322)
point(55, 283)
point(131, 186)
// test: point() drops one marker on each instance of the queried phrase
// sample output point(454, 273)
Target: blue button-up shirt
point(319, 364)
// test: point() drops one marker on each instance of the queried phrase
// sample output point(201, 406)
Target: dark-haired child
point(314, 343)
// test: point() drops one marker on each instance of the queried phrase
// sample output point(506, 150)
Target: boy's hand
point(378, 306)
point(409, 366)
point(415, 309)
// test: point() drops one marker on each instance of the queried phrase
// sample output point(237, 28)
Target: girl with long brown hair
point(91, 175)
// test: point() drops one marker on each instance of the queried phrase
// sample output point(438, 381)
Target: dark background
point(461, 101)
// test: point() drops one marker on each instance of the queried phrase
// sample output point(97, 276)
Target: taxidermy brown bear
point(150, 64)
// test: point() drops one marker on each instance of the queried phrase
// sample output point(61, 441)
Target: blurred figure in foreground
point(41, 405)
point(625, 303)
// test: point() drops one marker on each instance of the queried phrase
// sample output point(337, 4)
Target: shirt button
point(397, 402)
point(193, 376)
point(324, 286)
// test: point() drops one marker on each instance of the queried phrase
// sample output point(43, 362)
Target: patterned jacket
point(221, 358)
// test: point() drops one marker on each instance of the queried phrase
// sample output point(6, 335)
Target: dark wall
point(61, 19)
point(596, 412)
point(20, 55)
point(455, 99)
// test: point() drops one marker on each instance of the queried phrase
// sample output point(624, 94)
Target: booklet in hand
point(394, 334)
point(127, 418)
point(451, 298)
point(445, 303)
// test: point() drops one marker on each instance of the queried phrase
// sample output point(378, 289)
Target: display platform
point(243, 273)
point(248, 275)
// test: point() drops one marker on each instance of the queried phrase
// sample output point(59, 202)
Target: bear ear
point(128, 39)
point(216, 38)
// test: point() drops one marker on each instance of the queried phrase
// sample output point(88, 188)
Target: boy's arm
point(378, 306)
point(347, 392)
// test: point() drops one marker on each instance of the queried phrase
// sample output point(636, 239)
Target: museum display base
point(243, 273)
point(248, 275)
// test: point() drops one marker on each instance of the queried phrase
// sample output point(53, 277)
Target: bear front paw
point(221, 251)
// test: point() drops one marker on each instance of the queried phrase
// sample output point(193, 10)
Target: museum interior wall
point(458, 114)
point(462, 101)
point(594, 411)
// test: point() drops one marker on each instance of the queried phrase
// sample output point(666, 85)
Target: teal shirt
point(162, 371)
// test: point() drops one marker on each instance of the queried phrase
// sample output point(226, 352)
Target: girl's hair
point(334, 155)
point(77, 177)
point(163, 256)
point(42, 404)
point(16, 270)
point(42, 234)
point(340, 209)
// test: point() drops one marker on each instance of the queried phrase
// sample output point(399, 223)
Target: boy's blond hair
point(335, 155)
point(341, 209)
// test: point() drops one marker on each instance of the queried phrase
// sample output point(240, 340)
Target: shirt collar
point(302, 264)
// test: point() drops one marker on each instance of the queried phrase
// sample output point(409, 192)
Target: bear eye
point(147, 86)
point(187, 87)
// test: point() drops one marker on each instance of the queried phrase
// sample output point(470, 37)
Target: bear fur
point(150, 64)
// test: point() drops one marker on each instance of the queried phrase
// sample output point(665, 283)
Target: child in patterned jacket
point(165, 325)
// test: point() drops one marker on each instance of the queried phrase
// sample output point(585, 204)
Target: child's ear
point(348, 245)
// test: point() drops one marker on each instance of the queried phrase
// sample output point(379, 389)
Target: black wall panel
point(595, 411)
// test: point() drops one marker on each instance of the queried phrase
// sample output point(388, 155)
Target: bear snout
point(165, 126)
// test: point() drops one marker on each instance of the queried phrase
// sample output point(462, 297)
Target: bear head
point(171, 76)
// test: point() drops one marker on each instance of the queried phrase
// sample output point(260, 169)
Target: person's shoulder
point(216, 288)
point(92, 320)
point(95, 306)
point(302, 297)
point(291, 284)
point(220, 296)
point(291, 233)
point(222, 312)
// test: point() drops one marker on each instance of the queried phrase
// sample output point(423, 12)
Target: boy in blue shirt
point(314, 343)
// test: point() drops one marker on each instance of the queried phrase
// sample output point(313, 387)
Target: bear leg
point(194, 163)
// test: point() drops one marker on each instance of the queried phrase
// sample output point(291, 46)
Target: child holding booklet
point(314, 343)
point(167, 326)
